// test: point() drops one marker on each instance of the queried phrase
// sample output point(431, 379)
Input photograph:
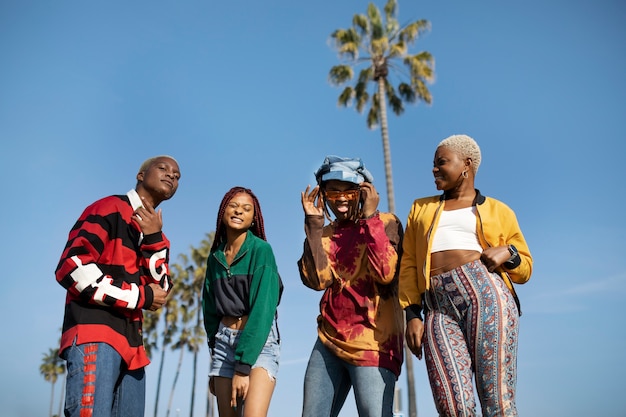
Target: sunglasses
point(348, 195)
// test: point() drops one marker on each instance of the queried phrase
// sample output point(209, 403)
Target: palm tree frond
point(412, 31)
point(366, 74)
point(346, 96)
point(397, 49)
point(360, 24)
point(396, 105)
point(391, 8)
point(379, 46)
point(421, 66)
point(362, 98)
point(376, 22)
point(347, 43)
point(339, 74)
point(372, 119)
point(407, 93)
point(422, 92)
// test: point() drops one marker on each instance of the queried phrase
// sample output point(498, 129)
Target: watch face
point(513, 250)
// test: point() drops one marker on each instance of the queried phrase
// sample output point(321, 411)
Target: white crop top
point(456, 230)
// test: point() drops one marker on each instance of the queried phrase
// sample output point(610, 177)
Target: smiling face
point(239, 212)
point(448, 168)
point(342, 198)
point(159, 180)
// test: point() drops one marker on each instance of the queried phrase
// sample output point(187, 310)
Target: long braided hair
point(257, 227)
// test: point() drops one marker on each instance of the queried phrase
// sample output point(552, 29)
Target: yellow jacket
point(496, 225)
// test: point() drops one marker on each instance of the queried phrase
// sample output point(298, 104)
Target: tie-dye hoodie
point(356, 264)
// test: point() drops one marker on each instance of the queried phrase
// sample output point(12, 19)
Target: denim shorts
point(223, 358)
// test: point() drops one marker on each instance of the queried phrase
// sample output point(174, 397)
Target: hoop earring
point(465, 174)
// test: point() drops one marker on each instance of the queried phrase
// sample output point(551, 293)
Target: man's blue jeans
point(328, 380)
point(99, 383)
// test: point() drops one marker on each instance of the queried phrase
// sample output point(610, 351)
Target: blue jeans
point(99, 383)
point(328, 380)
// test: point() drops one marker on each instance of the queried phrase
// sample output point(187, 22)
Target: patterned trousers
point(471, 329)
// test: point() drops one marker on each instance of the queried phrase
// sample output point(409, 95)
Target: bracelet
point(371, 215)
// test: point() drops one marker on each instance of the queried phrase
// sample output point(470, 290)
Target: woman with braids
point(462, 253)
point(240, 297)
point(354, 260)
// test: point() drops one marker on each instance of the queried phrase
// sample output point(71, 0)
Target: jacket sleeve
point(411, 282)
point(78, 270)
point(314, 266)
point(383, 244)
point(522, 270)
point(155, 253)
point(264, 296)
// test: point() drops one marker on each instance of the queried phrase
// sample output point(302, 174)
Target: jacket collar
point(242, 250)
point(135, 200)
point(479, 199)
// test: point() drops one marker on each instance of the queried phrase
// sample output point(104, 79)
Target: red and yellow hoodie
point(356, 264)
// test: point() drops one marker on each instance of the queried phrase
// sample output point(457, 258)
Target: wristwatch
point(514, 253)
point(515, 260)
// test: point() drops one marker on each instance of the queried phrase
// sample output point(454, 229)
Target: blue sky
point(238, 93)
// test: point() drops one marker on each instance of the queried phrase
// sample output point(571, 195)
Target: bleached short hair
point(146, 164)
point(465, 147)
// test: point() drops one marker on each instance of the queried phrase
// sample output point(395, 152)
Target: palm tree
point(179, 323)
point(51, 367)
point(382, 43)
point(185, 315)
point(196, 274)
point(169, 314)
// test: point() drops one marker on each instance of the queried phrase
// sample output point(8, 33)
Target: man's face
point(343, 198)
point(161, 178)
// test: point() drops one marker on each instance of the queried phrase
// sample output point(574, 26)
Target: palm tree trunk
point(180, 362)
point(408, 358)
point(193, 382)
point(384, 130)
point(52, 397)
point(209, 398)
point(410, 381)
point(158, 387)
point(62, 399)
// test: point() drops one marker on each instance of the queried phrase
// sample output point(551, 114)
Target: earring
point(252, 224)
point(465, 174)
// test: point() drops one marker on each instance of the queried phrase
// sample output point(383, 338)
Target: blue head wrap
point(343, 169)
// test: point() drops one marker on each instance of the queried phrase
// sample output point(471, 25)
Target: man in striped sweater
point(114, 265)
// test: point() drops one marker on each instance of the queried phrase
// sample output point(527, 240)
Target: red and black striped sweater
point(106, 267)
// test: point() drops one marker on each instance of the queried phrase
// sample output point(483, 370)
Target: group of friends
point(443, 285)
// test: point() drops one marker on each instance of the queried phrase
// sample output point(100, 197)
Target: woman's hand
point(413, 334)
point(495, 256)
point(312, 201)
point(370, 198)
point(239, 389)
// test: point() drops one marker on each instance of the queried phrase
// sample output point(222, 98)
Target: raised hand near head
point(312, 201)
point(370, 198)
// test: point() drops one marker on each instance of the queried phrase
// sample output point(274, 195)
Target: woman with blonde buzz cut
point(462, 252)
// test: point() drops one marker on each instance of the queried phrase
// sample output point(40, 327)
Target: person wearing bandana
point(354, 260)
